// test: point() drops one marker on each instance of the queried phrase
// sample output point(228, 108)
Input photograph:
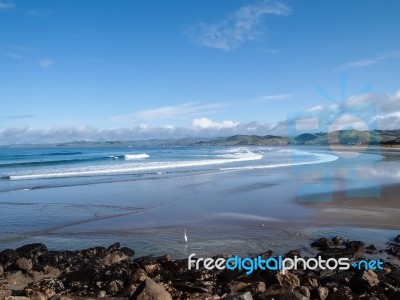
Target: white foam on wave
point(234, 150)
point(136, 156)
point(139, 167)
point(321, 158)
point(247, 217)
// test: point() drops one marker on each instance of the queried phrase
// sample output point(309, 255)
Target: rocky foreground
point(34, 272)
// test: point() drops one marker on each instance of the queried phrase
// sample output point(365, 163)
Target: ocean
point(229, 199)
point(33, 168)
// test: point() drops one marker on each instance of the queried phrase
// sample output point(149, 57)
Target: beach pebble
point(287, 279)
point(38, 296)
point(364, 281)
point(5, 293)
point(323, 293)
point(114, 258)
point(23, 264)
point(114, 287)
point(312, 281)
point(239, 296)
point(387, 270)
point(150, 290)
point(304, 291)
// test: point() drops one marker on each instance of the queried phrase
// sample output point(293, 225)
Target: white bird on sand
point(184, 236)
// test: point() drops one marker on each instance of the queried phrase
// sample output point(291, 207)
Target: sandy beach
point(229, 211)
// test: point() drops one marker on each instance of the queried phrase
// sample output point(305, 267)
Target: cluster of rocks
point(34, 272)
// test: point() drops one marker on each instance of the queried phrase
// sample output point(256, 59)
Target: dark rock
point(393, 250)
point(394, 296)
point(193, 287)
point(32, 250)
point(292, 253)
point(322, 243)
point(48, 287)
point(336, 276)
point(100, 272)
point(364, 281)
point(281, 292)
point(342, 293)
point(127, 251)
point(371, 249)
point(239, 296)
point(311, 280)
point(397, 239)
point(8, 257)
point(331, 285)
point(84, 275)
point(356, 246)
point(337, 253)
point(114, 287)
point(114, 247)
point(150, 290)
point(114, 257)
point(338, 240)
point(121, 271)
point(97, 252)
point(394, 276)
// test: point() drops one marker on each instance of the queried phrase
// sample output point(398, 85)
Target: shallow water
point(230, 200)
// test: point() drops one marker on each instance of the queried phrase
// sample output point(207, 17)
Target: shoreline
point(34, 272)
point(223, 213)
point(366, 212)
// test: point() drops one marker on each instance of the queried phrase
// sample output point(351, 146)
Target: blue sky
point(140, 69)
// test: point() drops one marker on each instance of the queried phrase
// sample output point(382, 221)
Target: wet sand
point(375, 212)
point(227, 212)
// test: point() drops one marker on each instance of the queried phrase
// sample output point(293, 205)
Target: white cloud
point(316, 107)
point(46, 63)
point(357, 64)
point(386, 114)
point(22, 135)
point(368, 62)
point(243, 25)
point(270, 97)
point(377, 111)
point(207, 123)
point(13, 55)
point(6, 5)
point(184, 110)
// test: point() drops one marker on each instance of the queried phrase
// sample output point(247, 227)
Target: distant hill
point(246, 140)
point(342, 137)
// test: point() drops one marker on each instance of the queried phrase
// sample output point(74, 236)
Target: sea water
point(230, 199)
